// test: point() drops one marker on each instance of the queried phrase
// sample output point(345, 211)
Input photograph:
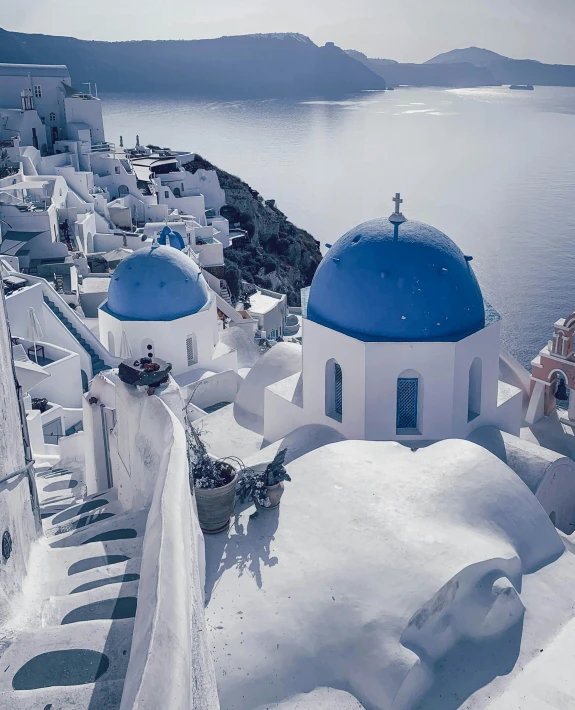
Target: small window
point(166, 194)
point(407, 403)
point(52, 117)
point(333, 390)
point(111, 345)
point(191, 350)
point(38, 91)
point(474, 390)
point(338, 403)
point(117, 169)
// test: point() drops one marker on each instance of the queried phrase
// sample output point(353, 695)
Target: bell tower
point(553, 374)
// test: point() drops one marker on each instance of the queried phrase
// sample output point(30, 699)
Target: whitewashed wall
point(16, 516)
point(168, 338)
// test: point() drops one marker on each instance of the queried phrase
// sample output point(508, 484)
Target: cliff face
point(246, 66)
point(276, 254)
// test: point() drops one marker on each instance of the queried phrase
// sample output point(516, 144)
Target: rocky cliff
point(245, 66)
point(275, 254)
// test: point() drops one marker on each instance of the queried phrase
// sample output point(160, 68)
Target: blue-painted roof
point(157, 283)
point(173, 239)
point(406, 282)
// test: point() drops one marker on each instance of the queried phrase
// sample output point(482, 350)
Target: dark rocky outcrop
point(275, 254)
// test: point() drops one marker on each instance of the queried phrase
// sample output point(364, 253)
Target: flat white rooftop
point(262, 303)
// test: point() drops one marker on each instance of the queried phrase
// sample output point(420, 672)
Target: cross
point(398, 202)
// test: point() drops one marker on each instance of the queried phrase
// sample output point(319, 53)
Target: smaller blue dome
point(396, 282)
point(157, 283)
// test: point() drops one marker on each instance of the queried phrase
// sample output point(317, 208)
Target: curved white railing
point(170, 664)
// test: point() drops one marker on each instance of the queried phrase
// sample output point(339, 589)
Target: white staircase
point(69, 649)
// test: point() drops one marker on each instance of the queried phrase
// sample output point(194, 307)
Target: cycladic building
point(159, 304)
point(398, 342)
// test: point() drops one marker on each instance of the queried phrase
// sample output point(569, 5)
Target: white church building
point(159, 304)
point(398, 343)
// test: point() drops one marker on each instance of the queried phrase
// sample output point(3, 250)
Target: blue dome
point(157, 283)
point(406, 282)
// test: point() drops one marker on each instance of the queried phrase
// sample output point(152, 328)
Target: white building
point(47, 91)
point(159, 303)
point(398, 343)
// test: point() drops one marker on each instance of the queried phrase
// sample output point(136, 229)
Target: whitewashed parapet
point(170, 664)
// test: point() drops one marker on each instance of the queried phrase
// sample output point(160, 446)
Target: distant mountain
point(452, 75)
point(469, 67)
point(472, 55)
point(246, 66)
point(510, 71)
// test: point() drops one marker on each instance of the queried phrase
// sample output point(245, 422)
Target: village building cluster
point(430, 471)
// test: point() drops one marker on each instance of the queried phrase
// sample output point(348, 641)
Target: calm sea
point(493, 168)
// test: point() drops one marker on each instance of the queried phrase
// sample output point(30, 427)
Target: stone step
point(106, 529)
point(111, 601)
point(103, 695)
point(80, 509)
point(73, 654)
point(66, 522)
point(115, 573)
point(58, 483)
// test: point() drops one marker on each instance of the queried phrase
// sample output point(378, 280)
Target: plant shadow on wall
point(246, 547)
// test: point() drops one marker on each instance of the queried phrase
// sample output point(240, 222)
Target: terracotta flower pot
point(274, 494)
point(216, 506)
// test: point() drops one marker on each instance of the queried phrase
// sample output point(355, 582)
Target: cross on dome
point(397, 217)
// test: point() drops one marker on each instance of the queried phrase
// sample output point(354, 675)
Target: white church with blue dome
point(398, 343)
point(159, 303)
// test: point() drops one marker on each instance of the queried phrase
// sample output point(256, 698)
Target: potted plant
point(265, 488)
point(214, 485)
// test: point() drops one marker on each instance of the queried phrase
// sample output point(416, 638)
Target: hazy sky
point(406, 30)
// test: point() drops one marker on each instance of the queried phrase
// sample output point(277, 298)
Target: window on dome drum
point(333, 390)
point(38, 91)
point(474, 392)
point(407, 405)
point(111, 345)
point(191, 350)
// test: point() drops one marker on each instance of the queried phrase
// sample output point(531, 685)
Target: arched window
point(111, 344)
point(147, 348)
point(177, 192)
point(474, 390)
point(408, 403)
point(560, 390)
point(191, 350)
point(333, 390)
point(52, 116)
point(123, 190)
